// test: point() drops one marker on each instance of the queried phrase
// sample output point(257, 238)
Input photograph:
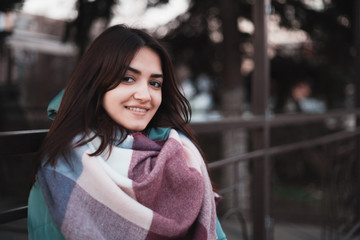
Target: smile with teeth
point(135, 109)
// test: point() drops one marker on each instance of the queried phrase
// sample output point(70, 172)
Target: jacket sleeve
point(219, 231)
point(40, 222)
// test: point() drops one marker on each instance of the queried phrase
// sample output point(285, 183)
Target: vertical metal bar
point(357, 47)
point(261, 138)
point(236, 182)
point(231, 44)
point(9, 64)
point(261, 73)
point(356, 25)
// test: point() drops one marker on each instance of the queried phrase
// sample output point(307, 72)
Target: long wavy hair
point(101, 69)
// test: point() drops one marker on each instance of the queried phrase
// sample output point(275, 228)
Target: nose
point(142, 92)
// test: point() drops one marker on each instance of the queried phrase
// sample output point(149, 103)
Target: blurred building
point(35, 64)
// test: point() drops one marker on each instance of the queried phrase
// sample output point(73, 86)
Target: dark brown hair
point(101, 69)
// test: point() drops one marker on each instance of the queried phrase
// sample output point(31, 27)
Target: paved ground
point(297, 232)
point(17, 231)
point(282, 231)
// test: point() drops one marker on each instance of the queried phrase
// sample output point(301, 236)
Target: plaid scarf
point(145, 188)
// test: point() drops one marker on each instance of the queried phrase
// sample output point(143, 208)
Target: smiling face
point(134, 102)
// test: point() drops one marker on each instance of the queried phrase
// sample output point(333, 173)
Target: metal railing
point(26, 142)
point(260, 123)
point(16, 143)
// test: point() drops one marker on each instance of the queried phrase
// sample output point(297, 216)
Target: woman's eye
point(128, 79)
point(155, 84)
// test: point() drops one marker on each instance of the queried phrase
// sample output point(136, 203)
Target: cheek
point(107, 100)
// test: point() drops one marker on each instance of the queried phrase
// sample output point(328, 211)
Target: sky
point(130, 12)
point(57, 9)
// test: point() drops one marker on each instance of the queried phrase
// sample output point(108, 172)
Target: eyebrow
point(139, 72)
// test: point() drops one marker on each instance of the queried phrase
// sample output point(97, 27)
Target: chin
point(137, 129)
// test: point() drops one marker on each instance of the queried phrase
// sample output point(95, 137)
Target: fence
point(24, 144)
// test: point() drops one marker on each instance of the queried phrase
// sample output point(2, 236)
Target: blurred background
point(273, 86)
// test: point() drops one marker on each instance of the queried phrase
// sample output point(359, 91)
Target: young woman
point(120, 160)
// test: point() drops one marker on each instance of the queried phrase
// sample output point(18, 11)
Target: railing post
point(357, 88)
point(260, 97)
point(9, 66)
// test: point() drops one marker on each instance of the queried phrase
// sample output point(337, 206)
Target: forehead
point(146, 59)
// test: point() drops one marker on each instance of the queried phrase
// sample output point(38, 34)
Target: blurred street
point(17, 231)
